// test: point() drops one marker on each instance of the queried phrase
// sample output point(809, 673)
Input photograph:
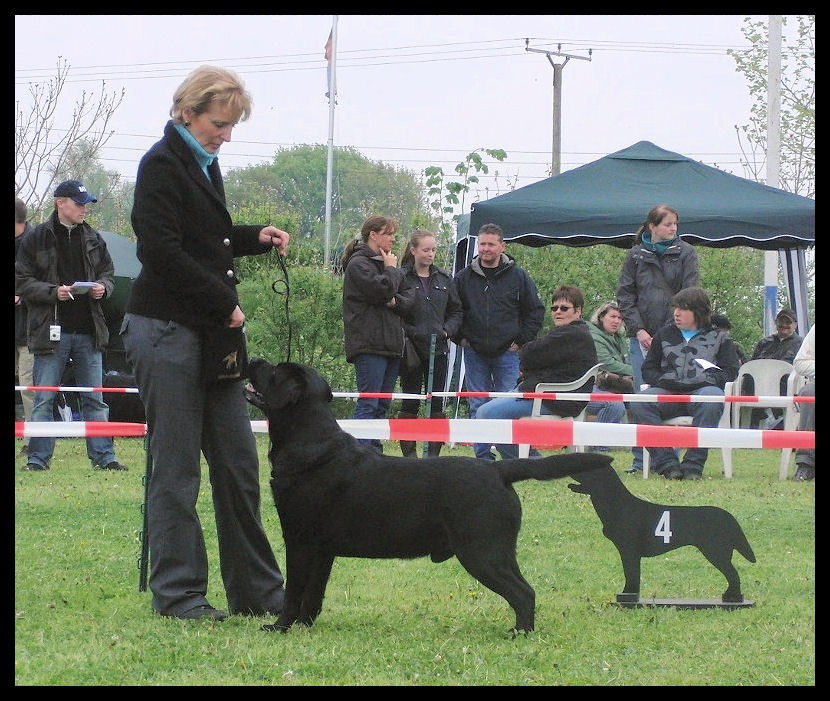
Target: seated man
point(563, 355)
point(693, 357)
point(612, 346)
point(781, 345)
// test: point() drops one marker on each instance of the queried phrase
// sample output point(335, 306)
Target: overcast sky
point(415, 90)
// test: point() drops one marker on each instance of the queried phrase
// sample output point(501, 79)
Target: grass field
point(80, 619)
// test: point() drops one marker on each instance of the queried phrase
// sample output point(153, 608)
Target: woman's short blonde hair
point(209, 84)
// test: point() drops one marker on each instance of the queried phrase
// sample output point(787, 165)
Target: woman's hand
point(237, 318)
point(275, 237)
point(644, 337)
point(390, 260)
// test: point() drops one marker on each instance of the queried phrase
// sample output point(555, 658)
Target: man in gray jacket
point(66, 320)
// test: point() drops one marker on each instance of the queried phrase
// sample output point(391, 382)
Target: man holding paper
point(62, 271)
point(690, 356)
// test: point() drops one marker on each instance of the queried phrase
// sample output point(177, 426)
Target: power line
point(361, 58)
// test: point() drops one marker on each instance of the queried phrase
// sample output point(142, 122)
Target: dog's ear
point(290, 385)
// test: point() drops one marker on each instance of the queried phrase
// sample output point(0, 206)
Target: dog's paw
point(515, 633)
point(275, 627)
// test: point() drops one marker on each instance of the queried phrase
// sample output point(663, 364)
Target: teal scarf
point(660, 247)
point(203, 158)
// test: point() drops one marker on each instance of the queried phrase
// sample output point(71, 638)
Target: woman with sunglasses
point(563, 355)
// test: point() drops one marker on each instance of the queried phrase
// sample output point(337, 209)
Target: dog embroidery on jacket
point(639, 529)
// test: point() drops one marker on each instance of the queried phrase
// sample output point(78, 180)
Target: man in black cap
point(63, 271)
point(784, 343)
point(781, 345)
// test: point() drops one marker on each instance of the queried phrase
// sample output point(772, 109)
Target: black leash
point(281, 287)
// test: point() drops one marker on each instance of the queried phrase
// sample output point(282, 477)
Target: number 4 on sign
point(664, 527)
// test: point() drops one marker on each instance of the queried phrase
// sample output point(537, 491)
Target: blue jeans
point(374, 373)
point(606, 412)
point(89, 372)
point(485, 374)
point(507, 408)
point(706, 415)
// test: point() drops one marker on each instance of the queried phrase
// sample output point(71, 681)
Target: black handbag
point(224, 354)
point(411, 360)
point(612, 382)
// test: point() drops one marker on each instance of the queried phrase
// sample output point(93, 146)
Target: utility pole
point(556, 147)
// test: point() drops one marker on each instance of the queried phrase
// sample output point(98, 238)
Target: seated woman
point(612, 345)
point(690, 356)
point(563, 355)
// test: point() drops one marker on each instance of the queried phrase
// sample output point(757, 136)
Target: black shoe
point(33, 467)
point(804, 473)
point(203, 611)
point(114, 465)
point(673, 473)
point(692, 473)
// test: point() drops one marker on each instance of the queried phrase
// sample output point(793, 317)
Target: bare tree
point(42, 150)
point(798, 103)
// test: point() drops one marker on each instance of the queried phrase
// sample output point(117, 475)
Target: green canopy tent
point(605, 201)
point(127, 268)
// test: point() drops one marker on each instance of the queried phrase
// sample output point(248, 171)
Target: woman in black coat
point(437, 312)
point(183, 299)
point(375, 298)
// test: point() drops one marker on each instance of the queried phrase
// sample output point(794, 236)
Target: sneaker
point(804, 473)
point(33, 467)
point(114, 465)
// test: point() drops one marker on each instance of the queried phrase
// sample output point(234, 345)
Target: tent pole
point(773, 165)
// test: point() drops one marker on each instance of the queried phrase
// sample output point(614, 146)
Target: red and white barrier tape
point(767, 401)
point(53, 388)
point(548, 432)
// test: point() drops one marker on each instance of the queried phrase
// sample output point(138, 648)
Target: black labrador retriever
point(640, 528)
point(336, 497)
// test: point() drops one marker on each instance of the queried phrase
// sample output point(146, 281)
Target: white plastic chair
point(766, 374)
point(524, 448)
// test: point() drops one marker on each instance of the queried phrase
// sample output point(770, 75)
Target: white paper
point(81, 288)
point(705, 364)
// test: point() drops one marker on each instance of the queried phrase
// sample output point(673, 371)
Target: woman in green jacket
point(607, 330)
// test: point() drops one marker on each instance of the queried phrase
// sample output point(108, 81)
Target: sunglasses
point(560, 307)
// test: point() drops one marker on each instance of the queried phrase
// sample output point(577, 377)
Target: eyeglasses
point(560, 307)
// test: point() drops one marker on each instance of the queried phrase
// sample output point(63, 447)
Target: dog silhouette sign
point(640, 528)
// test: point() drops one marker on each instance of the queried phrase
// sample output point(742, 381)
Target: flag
point(328, 48)
point(329, 53)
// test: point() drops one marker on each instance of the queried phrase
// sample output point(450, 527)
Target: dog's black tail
point(742, 544)
point(552, 467)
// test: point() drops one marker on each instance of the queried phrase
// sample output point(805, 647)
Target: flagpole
point(332, 93)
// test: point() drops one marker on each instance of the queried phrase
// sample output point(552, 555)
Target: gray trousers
point(186, 417)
